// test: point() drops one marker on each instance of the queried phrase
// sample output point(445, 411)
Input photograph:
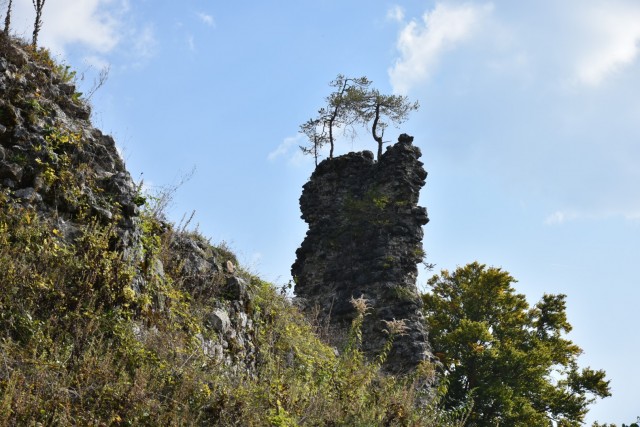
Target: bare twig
point(99, 81)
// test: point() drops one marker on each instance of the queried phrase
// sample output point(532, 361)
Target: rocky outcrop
point(55, 163)
point(365, 240)
point(51, 158)
point(208, 274)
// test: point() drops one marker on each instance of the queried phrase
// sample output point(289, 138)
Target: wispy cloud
point(145, 43)
point(562, 217)
point(191, 43)
point(206, 19)
point(395, 13)
point(96, 61)
point(290, 149)
point(559, 217)
point(422, 43)
point(614, 32)
point(99, 27)
point(284, 148)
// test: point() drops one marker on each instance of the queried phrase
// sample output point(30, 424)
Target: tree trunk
point(7, 19)
point(331, 139)
point(374, 130)
point(38, 5)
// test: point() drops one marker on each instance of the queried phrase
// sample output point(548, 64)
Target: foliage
point(352, 103)
point(635, 424)
point(380, 110)
point(339, 113)
point(514, 358)
point(305, 383)
point(82, 346)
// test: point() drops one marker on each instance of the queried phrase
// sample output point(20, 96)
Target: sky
point(528, 127)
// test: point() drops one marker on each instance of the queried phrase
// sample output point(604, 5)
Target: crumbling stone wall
point(365, 240)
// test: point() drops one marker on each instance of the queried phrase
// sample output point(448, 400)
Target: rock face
point(365, 240)
point(51, 158)
point(55, 163)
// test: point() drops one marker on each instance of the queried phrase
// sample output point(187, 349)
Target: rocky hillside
point(110, 315)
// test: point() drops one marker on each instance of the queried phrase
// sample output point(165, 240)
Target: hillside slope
point(109, 315)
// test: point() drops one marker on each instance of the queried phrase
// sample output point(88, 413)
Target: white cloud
point(395, 13)
point(632, 216)
point(284, 147)
point(207, 19)
point(92, 23)
point(517, 62)
point(99, 27)
point(290, 149)
point(191, 43)
point(422, 43)
point(560, 217)
point(615, 35)
point(145, 43)
point(96, 62)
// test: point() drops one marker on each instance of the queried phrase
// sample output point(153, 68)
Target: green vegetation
point(512, 358)
point(635, 424)
point(354, 103)
point(373, 206)
point(81, 346)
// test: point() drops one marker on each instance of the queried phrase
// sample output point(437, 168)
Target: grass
point(79, 348)
point(83, 341)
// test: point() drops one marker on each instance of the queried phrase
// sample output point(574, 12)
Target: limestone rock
point(196, 263)
point(365, 240)
point(237, 289)
point(230, 267)
point(10, 170)
point(53, 161)
point(219, 321)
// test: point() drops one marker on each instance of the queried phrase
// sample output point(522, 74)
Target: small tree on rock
point(338, 114)
point(315, 130)
point(381, 110)
point(7, 18)
point(38, 5)
point(354, 102)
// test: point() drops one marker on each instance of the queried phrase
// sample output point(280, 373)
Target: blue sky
point(528, 127)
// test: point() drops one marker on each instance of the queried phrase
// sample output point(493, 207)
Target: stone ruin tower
point(365, 239)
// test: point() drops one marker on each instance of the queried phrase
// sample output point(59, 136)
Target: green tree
point(636, 424)
point(513, 358)
point(338, 114)
point(316, 131)
point(352, 103)
point(380, 110)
